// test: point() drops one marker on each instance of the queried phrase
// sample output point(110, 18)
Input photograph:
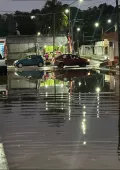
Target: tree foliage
point(43, 21)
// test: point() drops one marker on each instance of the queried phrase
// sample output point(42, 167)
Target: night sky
point(28, 5)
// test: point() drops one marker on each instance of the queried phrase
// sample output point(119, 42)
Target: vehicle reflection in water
point(55, 88)
point(82, 105)
point(30, 74)
point(3, 87)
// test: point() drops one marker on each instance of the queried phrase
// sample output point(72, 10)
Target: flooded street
point(60, 119)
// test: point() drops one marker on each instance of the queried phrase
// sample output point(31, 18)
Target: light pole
point(118, 27)
point(53, 34)
point(78, 30)
point(70, 23)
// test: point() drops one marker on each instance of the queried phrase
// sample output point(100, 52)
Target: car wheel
point(20, 65)
point(40, 65)
point(61, 65)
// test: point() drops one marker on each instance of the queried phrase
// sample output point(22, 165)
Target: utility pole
point(118, 27)
point(53, 34)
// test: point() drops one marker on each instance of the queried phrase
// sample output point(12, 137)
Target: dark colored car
point(32, 60)
point(70, 60)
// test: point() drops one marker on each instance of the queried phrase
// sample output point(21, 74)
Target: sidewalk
point(94, 57)
point(3, 160)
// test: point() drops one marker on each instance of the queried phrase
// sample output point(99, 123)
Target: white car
point(3, 66)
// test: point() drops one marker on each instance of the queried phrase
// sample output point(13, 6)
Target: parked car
point(70, 60)
point(32, 60)
point(3, 66)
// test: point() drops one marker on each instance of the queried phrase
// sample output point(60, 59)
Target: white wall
point(86, 50)
point(99, 48)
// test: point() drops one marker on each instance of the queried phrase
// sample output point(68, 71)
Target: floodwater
point(63, 119)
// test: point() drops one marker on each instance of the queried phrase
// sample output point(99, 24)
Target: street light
point(97, 24)
point(78, 29)
point(38, 33)
point(109, 21)
point(32, 17)
point(71, 25)
point(98, 89)
point(66, 11)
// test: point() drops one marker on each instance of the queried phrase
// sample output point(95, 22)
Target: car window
point(64, 56)
point(69, 56)
point(76, 56)
point(73, 56)
point(33, 57)
point(28, 57)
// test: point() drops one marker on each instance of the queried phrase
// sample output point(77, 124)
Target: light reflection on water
point(63, 118)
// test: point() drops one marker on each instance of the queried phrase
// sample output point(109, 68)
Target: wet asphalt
point(60, 119)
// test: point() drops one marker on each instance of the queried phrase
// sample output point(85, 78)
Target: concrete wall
point(86, 50)
point(99, 48)
point(19, 46)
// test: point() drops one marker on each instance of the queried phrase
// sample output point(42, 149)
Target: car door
point(27, 61)
point(76, 60)
point(66, 59)
point(34, 60)
point(73, 59)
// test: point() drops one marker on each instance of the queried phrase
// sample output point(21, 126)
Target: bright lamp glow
point(67, 11)
point(109, 21)
point(84, 143)
point(38, 33)
point(98, 89)
point(97, 24)
point(32, 17)
point(45, 46)
point(78, 29)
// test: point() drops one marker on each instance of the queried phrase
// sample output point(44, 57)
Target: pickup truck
point(3, 66)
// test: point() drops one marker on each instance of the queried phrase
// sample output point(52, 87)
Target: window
point(73, 56)
point(64, 56)
point(33, 57)
point(69, 56)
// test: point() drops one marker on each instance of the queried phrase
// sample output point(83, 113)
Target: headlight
point(16, 74)
point(15, 61)
point(88, 60)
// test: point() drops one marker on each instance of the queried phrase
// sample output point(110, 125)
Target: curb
point(3, 160)
point(91, 58)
